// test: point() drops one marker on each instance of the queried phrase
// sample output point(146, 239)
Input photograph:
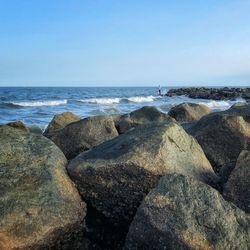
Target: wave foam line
point(101, 100)
point(40, 103)
point(222, 105)
point(115, 100)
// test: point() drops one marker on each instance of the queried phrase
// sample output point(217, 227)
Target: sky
point(124, 42)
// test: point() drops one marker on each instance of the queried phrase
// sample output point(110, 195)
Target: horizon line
point(126, 86)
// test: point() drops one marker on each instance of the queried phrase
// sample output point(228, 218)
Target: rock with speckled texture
point(237, 188)
point(40, 207)
point(183, 213)
point(114, 176)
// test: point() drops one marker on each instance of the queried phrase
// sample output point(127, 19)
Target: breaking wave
point(115, 100)
point(222, 105)
point(39, 103)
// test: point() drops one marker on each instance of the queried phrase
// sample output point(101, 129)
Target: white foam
point(141, 99)
point(222, 105)
point(40, 103)
point(115, 100)
point(101, 100)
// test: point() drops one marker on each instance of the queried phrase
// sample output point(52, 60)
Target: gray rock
point(84, 134)
point(237, 188)
point(18, 125)
point(114, 177)
point(183, 213)
point(60, 121)
point(211, 93)
point(35, 129)
point(189, 112)
point(142, 116)
point(40, 207)
point(223, 135)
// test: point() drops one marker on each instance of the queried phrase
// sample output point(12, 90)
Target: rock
point(237, 188)
point(222, 135)
point(189, 112)
point(238, 109)
point(60, 121)
point(84, 134)
point(35, 129)
point(183, 213)
point(18, 125)
point(114, 177)
point(40, 207)
point(144, 115)
point(211, 93)
point(116, 118)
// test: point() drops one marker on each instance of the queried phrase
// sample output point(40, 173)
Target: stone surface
point(40, 207)
point(237, 188)
point(60, 121)
point(183, 213)
point(84, 134)
point(18, 125)
point(223, 135)
point(35, 129)
point(114, 177)
point(211, 93)
point(144, 115)
point(189, 112)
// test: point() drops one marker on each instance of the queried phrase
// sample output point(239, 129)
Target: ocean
point(38, 105)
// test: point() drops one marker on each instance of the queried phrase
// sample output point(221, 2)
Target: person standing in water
point(159, 90)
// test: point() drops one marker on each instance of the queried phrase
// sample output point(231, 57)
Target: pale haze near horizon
point(124, 43)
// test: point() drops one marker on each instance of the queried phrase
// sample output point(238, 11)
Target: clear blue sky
point(129, 42)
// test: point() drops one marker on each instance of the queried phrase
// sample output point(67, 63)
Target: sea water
point(38, 105)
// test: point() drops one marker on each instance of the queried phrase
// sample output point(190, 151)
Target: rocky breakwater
point(237, 188)
point(211, 93)
point(189, 112)
point(223, 135)
point(146, 181)
point(144, 115)
point(183, 213)
point(40, 207)
point(114, 176)
point(82, 135)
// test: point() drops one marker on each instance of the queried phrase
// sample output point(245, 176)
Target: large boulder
point(114, 177)
point(18, 125)
point(189, 112)
point(40, 207)
point(60, 121)
point(183, 213)
point(237, 188)
point(84, 134)
point(223, 135)
point(144, 115)
point(239, 108)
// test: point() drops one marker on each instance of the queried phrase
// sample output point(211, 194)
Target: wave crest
point(101, 100)
point(39, 103)
point(222, 105)
point(116, 100)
